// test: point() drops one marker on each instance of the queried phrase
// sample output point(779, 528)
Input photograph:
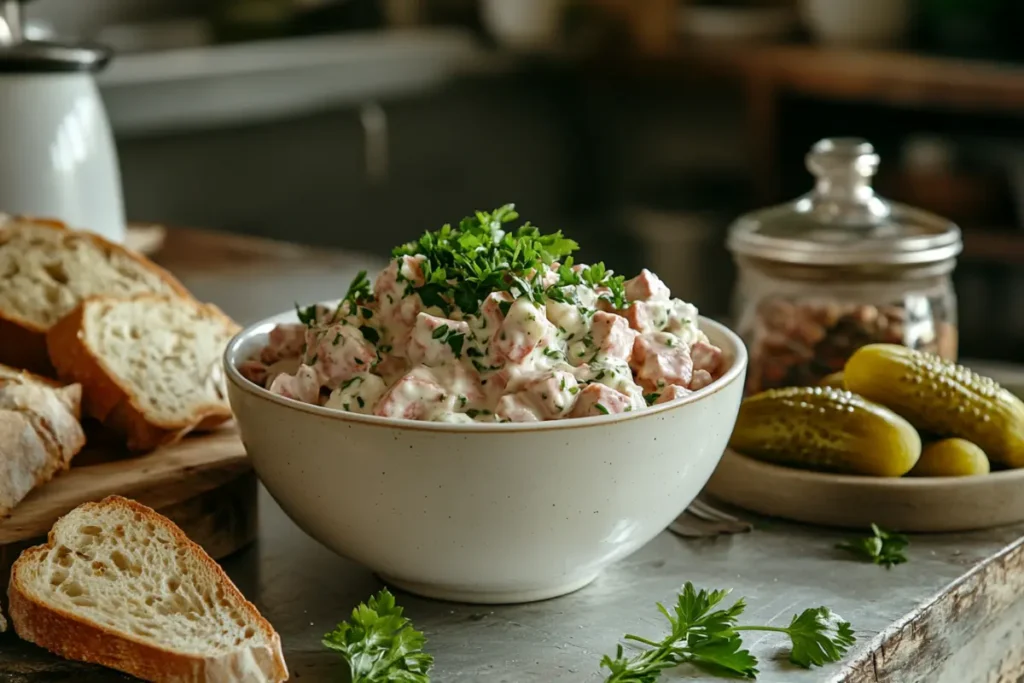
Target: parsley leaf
point(455, 340)
point(380, 645)
point(819, 636)
point(358, 290)
point(708, 637)
point(482, 255)
point(369, 334)
point(307, 315)
point(883, 547)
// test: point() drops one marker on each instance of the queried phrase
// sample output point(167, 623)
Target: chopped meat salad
point(483, 323)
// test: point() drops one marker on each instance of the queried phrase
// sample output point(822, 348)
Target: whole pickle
point(941, 397)
point(835, 380)
point(825, 429)
point(950, 458)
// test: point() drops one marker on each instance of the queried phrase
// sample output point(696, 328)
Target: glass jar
point(839, 268)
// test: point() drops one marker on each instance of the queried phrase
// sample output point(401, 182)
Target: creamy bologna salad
point(477, 323)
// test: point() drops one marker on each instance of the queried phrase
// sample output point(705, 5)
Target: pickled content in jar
point(950, 458)
point(799, 343)
point(825, 429)
point(942, 398)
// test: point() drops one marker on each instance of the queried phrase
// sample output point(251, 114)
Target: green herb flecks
point(709, 638)
point(465, 264)
point(380, 645)
point(371, 335)
point(882, 547)
point(307, 314)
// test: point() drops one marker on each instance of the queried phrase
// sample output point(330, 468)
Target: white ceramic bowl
point(484, 513)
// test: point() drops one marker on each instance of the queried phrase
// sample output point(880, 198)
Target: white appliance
point(57, 153)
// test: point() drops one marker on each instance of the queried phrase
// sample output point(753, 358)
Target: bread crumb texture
point(46, 271)
point(166, 352)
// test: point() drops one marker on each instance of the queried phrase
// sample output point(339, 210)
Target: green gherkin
point(827, 429)
point(951, 458)
point(941, 397)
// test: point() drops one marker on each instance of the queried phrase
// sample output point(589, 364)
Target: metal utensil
point(701, 520)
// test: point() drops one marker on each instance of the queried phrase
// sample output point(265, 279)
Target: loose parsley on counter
point(882, 547)
point(380, 645)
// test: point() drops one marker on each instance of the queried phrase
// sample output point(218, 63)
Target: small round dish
point(484, 513)
point(909, 504)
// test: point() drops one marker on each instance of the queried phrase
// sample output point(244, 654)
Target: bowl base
point(486, 597)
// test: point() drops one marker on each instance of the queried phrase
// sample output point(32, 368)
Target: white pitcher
point(57, 153)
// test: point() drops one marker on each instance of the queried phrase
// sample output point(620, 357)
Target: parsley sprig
point(710, 639)
point(380, 645)
point(466, 263)
point(882, 547)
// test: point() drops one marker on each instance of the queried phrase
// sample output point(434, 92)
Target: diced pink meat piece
point(410, 268)
point(338, 353)
point(671, 393)
point(431, 340)
point(660, 360)
point(524, 329)
point(612, 335)
point(284, 341)
point(638, 315)
point(701, 378)
point(303, 386)
point(515, 408)
point(254, 371)
point(550, 394)
point(391, 281)
point(706, 357)
point(599, 399)
point(647, 287)
point(414, 397)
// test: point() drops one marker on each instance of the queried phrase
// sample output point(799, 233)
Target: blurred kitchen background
point(640, 127)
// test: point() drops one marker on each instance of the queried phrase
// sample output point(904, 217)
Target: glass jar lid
point(842, 222)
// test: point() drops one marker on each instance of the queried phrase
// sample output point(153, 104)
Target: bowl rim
point(231, 358)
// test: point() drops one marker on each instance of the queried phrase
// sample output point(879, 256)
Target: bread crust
point(106, 398)
point(39, 436)
point(68, 636)
point(23, 343)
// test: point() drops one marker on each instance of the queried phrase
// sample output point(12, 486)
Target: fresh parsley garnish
point(358, 290)
point(455, 340)
point(439, 332)
point(882, 547)
point(651, 398)
point(465, 264)
point(371, 335)
point(380, 645)
point(307, 315)
point(709, 638)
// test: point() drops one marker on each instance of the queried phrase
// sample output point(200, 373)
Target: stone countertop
point(950, 615)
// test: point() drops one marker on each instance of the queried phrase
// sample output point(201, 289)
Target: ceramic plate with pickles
point(899, 438)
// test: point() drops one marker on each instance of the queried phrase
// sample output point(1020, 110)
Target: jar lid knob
point(843, 193)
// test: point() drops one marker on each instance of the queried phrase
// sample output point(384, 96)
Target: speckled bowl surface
point(484, 513)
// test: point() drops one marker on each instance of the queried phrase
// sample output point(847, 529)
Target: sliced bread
point(46, 270)
point(39, 435)
point(149, 366)
point(119, 585)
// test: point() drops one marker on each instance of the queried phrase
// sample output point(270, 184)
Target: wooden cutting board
point(204, 483)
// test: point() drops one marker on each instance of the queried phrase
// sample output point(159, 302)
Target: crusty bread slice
point(119, 585)
point(70, 394)
point(39, 435)
point(46, 270)
point(149, 366)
